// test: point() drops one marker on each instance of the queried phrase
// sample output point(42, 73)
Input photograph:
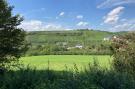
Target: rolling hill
point(66, 42)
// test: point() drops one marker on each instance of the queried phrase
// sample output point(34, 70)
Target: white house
point(79, 46)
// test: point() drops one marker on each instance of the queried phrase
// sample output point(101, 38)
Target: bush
point(123, 48)
point(94, 77)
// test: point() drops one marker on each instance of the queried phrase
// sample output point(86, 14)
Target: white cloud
point(79, 16)
point(32, 25)
point(111, 3)
point(113, 22)
point(83, 24)
point(52, 26)
point(113, 16)
point(124, 25)
point(68, 29)
point(37, 25)
point(62, 13)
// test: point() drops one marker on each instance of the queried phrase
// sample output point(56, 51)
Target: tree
point(123, 48)
point(12, 39)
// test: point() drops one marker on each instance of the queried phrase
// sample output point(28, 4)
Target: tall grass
point(93, 77)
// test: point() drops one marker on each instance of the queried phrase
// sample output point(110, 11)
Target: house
point(79, 46)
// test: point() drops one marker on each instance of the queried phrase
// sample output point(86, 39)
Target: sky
point(50, 15)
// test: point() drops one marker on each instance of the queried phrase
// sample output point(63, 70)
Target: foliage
point(94, 77)
point(12, 38)
point(65, 42)
point(123, 48)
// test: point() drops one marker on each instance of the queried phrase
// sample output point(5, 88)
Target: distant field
point(71, 37)
point(59, 62)
point(90, 42)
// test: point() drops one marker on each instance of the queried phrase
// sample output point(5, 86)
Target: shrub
point(123, 48)
point(94, 77)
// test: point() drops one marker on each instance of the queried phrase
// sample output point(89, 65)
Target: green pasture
point(62, 62)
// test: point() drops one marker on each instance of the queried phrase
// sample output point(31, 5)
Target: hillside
point(67, 42)
point(41, 37)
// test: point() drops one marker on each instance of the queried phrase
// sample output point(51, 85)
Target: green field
point(66, 42)
point(59, 62)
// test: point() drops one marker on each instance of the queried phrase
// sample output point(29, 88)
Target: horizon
point(77, 30)
point(59, 15)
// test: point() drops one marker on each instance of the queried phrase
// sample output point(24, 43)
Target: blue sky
point(109, 15)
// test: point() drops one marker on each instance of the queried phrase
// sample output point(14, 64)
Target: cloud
point(68, 29)
point(113, 23)
point(113, 16)
point(53, 26)
point(62, 13)
point(32, 25)
point(37, 25)
point(83, 24)
point(79, 16)
point(111, 3)
point(124, 25)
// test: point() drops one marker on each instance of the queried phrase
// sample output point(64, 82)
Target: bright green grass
point(58, 62)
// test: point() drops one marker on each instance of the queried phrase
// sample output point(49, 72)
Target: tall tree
point(12, 38)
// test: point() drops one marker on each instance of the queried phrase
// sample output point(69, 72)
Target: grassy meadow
point(61, 62)
point(43, 52)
